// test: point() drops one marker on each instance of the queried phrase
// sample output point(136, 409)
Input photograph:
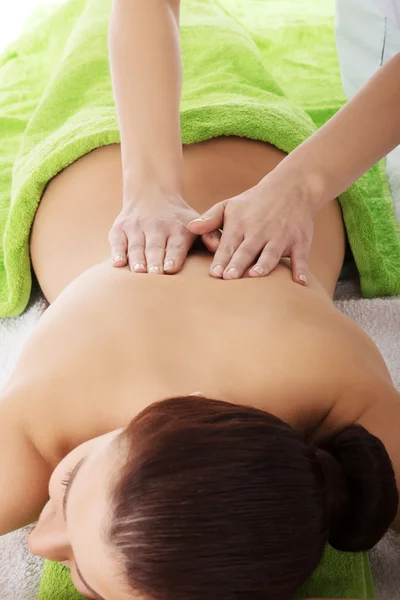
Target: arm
point(150, 234)
point(24, 475)
point(146, 73)
point(275, 218)
point(367, 128)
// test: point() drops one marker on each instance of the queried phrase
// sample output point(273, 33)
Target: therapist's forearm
point(146, 74)
point(365, 130)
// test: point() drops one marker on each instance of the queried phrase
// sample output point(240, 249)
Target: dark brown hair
point(217, 501)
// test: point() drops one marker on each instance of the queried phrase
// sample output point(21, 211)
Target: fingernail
point(118, 258)
point(197, 220)
point(303, 279)
point(139, 267)
point(215, 240)
point(154, 269)
point(258, 270)
point(169, 264)
point(233, 273)
point(218, 270)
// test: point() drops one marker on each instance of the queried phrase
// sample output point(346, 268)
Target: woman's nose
point(50, 540)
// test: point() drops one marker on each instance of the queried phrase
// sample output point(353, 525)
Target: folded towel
point(339, 576)
point(56, 105)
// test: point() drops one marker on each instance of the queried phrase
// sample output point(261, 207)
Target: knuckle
point(300, 256)
point(298, 237)
point(223, 257)
point(144, 222)
point(155, 245)
point(134, 247)
point(273, 253)
point(301, 249)
point(179, 238)
point(157, 224)
point(176, 246)
point(241, 223)
point(236, 236)
point(302, 236)
point(118, 222)
point(130, 226)
point(116, 242)
point(116, 228)
point(180, 228)
point(246, 252)
point(227, 249)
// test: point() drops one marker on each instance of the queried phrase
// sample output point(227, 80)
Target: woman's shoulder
point(24, 472)
point(365, 397)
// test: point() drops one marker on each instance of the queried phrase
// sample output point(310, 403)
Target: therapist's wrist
point(316, 188)
point(308, 185)
point(142, 177)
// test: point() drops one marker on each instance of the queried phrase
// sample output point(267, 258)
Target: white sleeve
point(367, 36)
point(360, 39)
point(391, 10)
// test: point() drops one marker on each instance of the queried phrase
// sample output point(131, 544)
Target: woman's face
point(71, 526)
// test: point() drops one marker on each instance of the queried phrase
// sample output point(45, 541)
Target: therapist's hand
point(272, 220)
point(151, 232)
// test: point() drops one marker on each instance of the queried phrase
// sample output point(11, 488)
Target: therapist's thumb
point(209, 221)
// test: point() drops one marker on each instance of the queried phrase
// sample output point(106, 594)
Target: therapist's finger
point(136, 255)
point(269, 258)
point(299, 263)
point(178, 246)
point(155, 253)
point(243, 258)
point(210, 220)
point(230, 241)
point(211, 240)
point(119, 246)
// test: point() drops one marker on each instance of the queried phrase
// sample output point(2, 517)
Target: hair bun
point(360, 486)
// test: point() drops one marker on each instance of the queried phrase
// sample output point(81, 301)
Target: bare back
point(113, 341)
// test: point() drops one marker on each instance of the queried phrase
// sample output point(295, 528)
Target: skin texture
point(113, 341)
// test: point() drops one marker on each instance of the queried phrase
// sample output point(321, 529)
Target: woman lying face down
point(198, 498)
point(192, 498)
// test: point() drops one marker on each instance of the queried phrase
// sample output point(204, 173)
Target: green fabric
point(339, 575)
point(56, 105)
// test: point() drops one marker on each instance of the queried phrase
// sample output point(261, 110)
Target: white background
point(13, 14)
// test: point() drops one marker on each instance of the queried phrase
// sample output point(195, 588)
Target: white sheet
point(13, 15)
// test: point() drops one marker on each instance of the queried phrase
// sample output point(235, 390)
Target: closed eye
point(67, 483)
point(67, 478)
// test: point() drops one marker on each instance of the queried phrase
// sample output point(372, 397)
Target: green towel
point(262, 69)
point(339, 576)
